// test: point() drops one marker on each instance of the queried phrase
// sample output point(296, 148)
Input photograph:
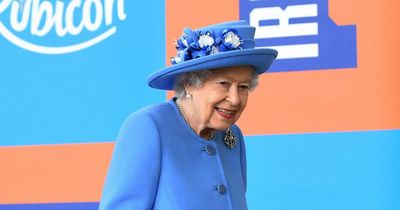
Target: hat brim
point(260, 58)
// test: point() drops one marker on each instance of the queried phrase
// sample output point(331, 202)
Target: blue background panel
point(331, 38)
point(82, 96)
point(326, 171)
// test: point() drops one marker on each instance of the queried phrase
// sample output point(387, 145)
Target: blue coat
point(160, 163)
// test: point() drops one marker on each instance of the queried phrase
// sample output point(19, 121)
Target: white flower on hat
point(184, 42)
point(214, 50)
point(233, 39)
point(205, 40)
point(178, 58)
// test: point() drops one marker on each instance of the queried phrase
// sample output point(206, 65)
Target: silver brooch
point(230, 139)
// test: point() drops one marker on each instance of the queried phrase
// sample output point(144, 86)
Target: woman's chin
point(222, 123)
point(222, 126)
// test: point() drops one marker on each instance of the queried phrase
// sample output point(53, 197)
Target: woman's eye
point(224, 83)
point(244, 87)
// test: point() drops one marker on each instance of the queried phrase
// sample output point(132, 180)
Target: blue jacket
point(160, 163)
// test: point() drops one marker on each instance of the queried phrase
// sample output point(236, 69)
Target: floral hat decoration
point(216, 46)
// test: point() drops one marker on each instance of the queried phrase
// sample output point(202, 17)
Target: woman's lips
point(227, 114)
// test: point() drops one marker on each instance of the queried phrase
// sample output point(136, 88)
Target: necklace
point(180, 109)
point(182, 112)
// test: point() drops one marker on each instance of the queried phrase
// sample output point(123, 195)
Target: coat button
point(209, 150)
point(221, 189)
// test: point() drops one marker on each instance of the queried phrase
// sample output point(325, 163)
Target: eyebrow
point(230, 79)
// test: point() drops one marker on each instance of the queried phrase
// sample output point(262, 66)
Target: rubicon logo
point(59, 26)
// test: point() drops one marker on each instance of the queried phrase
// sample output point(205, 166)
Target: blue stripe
point(52, 206)
point(329, 171)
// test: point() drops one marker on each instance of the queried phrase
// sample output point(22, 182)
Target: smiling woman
point(188, 153)
point(217, 102)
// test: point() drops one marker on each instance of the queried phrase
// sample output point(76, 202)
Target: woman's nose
point(233, 96)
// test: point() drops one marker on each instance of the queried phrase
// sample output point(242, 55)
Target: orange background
point(56, 173)
point(363, 98)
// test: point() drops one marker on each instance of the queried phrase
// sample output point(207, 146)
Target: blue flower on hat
point(194, 44)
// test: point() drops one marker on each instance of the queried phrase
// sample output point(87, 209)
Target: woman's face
point(221, 99)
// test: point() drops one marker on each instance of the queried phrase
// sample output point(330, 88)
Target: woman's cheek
point(240, 112)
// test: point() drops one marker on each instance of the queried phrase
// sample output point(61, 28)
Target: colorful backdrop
point(322, 129)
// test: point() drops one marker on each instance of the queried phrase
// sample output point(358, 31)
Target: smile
point(227, 114)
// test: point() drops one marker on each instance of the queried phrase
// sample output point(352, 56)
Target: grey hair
point(192, 79)
point(196, 79)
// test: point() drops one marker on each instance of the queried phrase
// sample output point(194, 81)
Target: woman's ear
point(188, 91)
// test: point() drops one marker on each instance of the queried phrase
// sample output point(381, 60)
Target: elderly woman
point(187, 153)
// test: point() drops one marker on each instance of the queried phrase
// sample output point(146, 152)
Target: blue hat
point(216, 46)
